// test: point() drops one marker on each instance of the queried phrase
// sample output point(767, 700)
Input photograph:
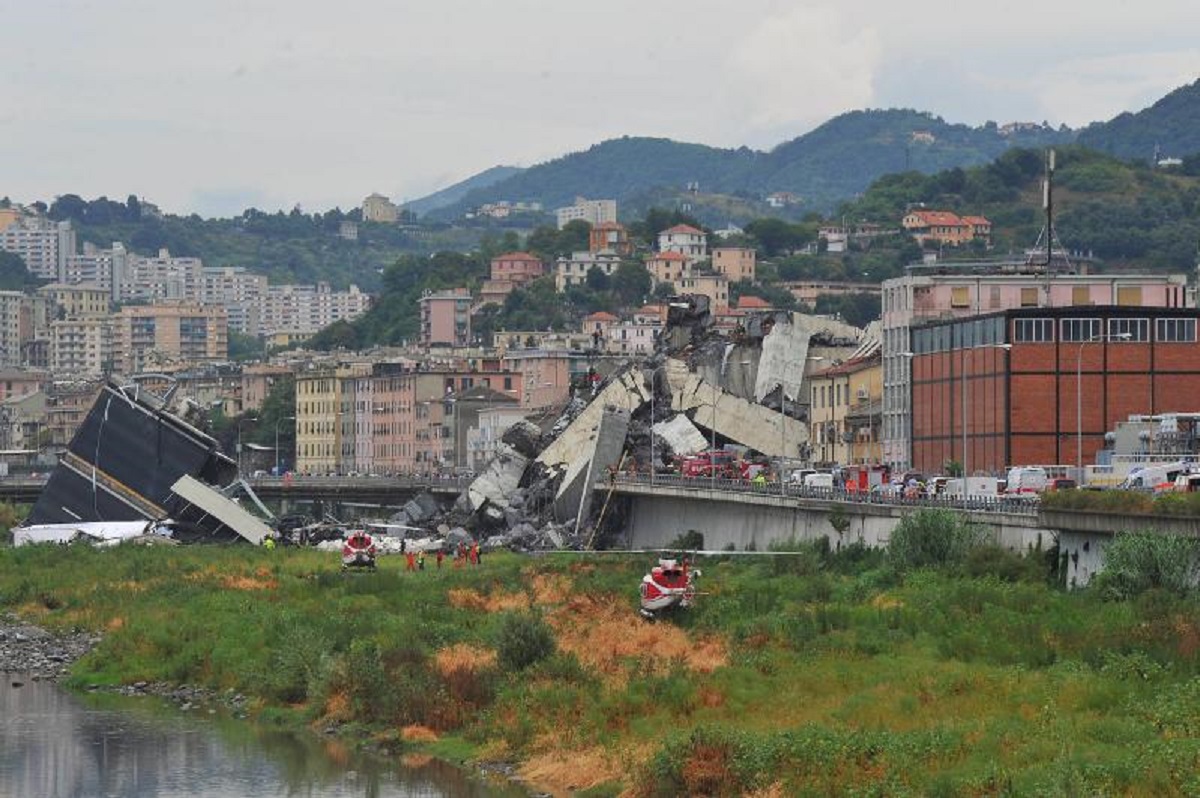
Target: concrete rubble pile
point(543, 488)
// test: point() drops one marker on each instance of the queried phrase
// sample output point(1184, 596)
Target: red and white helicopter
point(671, 584)
point(358, 551)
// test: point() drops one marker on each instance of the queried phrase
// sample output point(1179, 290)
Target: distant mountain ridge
point(826, 166)
point(454, 193)
point(1170, 127)
point(835, 161)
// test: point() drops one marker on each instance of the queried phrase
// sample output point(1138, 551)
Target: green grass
point(843, 675)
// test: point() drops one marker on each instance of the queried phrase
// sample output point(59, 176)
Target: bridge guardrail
point(976, 504)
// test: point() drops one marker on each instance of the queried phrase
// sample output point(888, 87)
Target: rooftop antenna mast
point(1048, 230)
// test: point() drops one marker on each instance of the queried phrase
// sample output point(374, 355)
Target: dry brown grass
point(115, 623)
point(463, 657)
point(337, 708)
point(467, 599)
point(418, 734)
point(551, 588)
point(248, 583)
point(563, 773)
point(605, 635)
point(773, 790)
point(885, 602)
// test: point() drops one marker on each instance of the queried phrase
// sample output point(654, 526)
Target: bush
point(1135, 562)
point(1005, 564)
point(932, 539)
point(524, 640)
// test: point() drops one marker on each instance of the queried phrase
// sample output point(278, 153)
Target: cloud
point(1092, 89)
point(799, 67)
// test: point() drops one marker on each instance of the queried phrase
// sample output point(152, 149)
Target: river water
point(57, 744)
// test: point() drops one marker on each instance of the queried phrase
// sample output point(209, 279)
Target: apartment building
point(844, 418)
point(594, 212)
point(105, 268)
point(610, 237)
point(147, 337)
point(943, 292)
point(77, 301)
point(574, 270)
point(41, 243)
point(162, 277)
point(308, 308)
point(668, 267)
point(736, 263)
point(446, 318)
point(82, 346)
point(517, 267)
point(686, 240)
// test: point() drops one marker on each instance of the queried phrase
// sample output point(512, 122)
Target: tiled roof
point(940, 218)
point(517, 256)
point(683, 229)
point(600, 315)
point(751, 302)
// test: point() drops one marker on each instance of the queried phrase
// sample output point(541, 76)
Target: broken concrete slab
point(736, 419)
point(524, 437)
point(422, 507)
point(627, 391)
point(681, 435)
point(598, 454)
point(785, 350)
point(498, 481)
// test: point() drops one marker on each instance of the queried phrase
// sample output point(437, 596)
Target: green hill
point(454, 193)
point(1129, 215)
point(836, 161)
point(1170, 127)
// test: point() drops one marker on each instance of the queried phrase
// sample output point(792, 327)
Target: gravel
point(38, 653)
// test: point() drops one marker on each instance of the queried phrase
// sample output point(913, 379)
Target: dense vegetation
point(1170, 127)
point(294, 247)
point(941, 666)
point(1128, 215)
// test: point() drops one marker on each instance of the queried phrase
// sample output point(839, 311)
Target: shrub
point(1135, 562)
point(524, 640)
point(1005, 564)
point(932, 538)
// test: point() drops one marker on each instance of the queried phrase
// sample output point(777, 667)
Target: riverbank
point(39, 653)
point(815, 673)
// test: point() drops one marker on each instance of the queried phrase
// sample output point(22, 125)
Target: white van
point(977, 487)
point(1026, 479)
point(822, 480)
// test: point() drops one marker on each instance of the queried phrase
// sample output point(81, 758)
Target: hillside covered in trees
point(836, 161)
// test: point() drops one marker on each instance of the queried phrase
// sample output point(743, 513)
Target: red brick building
point(1022, 374)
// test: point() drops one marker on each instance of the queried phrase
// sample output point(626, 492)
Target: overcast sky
point(213, 106)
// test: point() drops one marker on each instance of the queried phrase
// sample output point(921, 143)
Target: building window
point(1129, 295)
point(1033, 331)
point(1081, 295)
point(960, 296)
point(1176, 331)
point(1029, 297)
point(1129, 330)
point(1077, 330)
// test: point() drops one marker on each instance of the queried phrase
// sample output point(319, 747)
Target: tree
point(14, 275)
point(597, 280)
point(631, 283)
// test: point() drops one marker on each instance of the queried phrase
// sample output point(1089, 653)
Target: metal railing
point(998, 504)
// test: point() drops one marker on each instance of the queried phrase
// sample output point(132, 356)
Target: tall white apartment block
point(10, 327)
point(81, 346)
point(241, 293)
point(102, 267)
point(162, 277)
point(43, 244)
point(593, 212)
point(308, 308)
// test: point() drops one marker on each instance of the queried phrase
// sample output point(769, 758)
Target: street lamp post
point(1079, 394)
point(239, 441)
point(783, 426)
point(277, 422)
